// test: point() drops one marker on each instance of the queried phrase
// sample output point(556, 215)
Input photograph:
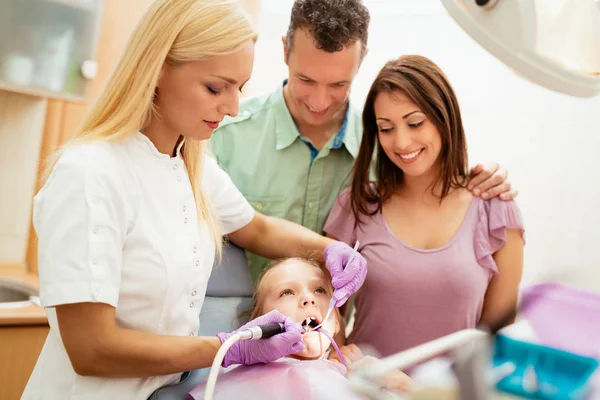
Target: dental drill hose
point(253, 333)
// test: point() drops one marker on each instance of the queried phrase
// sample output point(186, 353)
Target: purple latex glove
point(265, 350)
point(346, 279)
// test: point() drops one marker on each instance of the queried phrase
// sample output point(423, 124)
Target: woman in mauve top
point(439, 259)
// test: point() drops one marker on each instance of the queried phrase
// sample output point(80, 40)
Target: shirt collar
point(351, 138)
point(287, 131)
point(150, 148)
point(285, 127)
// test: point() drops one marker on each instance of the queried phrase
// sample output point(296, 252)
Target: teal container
point(543, 372)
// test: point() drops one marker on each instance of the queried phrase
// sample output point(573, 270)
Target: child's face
point(300, 290)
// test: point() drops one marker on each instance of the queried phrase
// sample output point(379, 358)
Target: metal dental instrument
point(332, 301)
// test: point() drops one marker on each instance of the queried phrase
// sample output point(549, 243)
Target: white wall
point(548, 141)
point(21, 129)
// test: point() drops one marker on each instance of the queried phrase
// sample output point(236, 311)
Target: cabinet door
point(20, 347)
point(48, 47)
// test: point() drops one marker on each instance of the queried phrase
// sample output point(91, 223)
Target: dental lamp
point(558, 50)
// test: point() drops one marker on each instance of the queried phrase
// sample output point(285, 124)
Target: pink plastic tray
point(564, 317)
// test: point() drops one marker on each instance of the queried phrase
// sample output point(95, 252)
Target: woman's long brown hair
point(427, 86)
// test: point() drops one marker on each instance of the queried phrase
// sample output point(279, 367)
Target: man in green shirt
point(291, 152)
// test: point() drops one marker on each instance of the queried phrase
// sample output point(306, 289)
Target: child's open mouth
point(309, 324)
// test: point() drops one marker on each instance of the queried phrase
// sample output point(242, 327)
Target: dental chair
point(228, 296)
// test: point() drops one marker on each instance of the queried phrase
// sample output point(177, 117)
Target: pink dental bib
point(286, 378)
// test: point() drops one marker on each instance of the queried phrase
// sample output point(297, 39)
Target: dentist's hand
point(264, 350)
point(346, 279)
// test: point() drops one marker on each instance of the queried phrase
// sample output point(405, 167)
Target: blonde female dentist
point(132, 214)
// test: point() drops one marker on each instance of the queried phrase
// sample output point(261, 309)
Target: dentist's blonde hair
point(172, 32)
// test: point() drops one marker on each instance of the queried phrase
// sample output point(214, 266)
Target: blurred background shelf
point(48, 48)
point(40, 92)
point(80, 4)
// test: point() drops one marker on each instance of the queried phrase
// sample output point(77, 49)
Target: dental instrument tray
point(563, 317)
point(543, 372)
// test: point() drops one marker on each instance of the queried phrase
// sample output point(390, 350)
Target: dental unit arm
point(469, 347)
point(470, 351)
point(560, 52)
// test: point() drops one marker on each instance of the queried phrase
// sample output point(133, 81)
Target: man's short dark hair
point(333, 24)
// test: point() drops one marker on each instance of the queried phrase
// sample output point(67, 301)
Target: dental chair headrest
point(231, 277)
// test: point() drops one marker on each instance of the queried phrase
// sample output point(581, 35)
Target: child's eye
point(321, 291)
point(286, 292)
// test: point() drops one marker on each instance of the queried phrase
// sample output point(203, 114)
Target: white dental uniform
point(117, 224)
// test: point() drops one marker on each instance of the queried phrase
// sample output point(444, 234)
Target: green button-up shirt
point(263, 153)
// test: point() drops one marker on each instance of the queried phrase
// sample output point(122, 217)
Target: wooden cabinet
point(19, 350)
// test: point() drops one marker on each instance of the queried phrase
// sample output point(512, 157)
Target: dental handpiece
point(255, 332)
point(262, 331)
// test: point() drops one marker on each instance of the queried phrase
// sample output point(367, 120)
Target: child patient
point(300, 289)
